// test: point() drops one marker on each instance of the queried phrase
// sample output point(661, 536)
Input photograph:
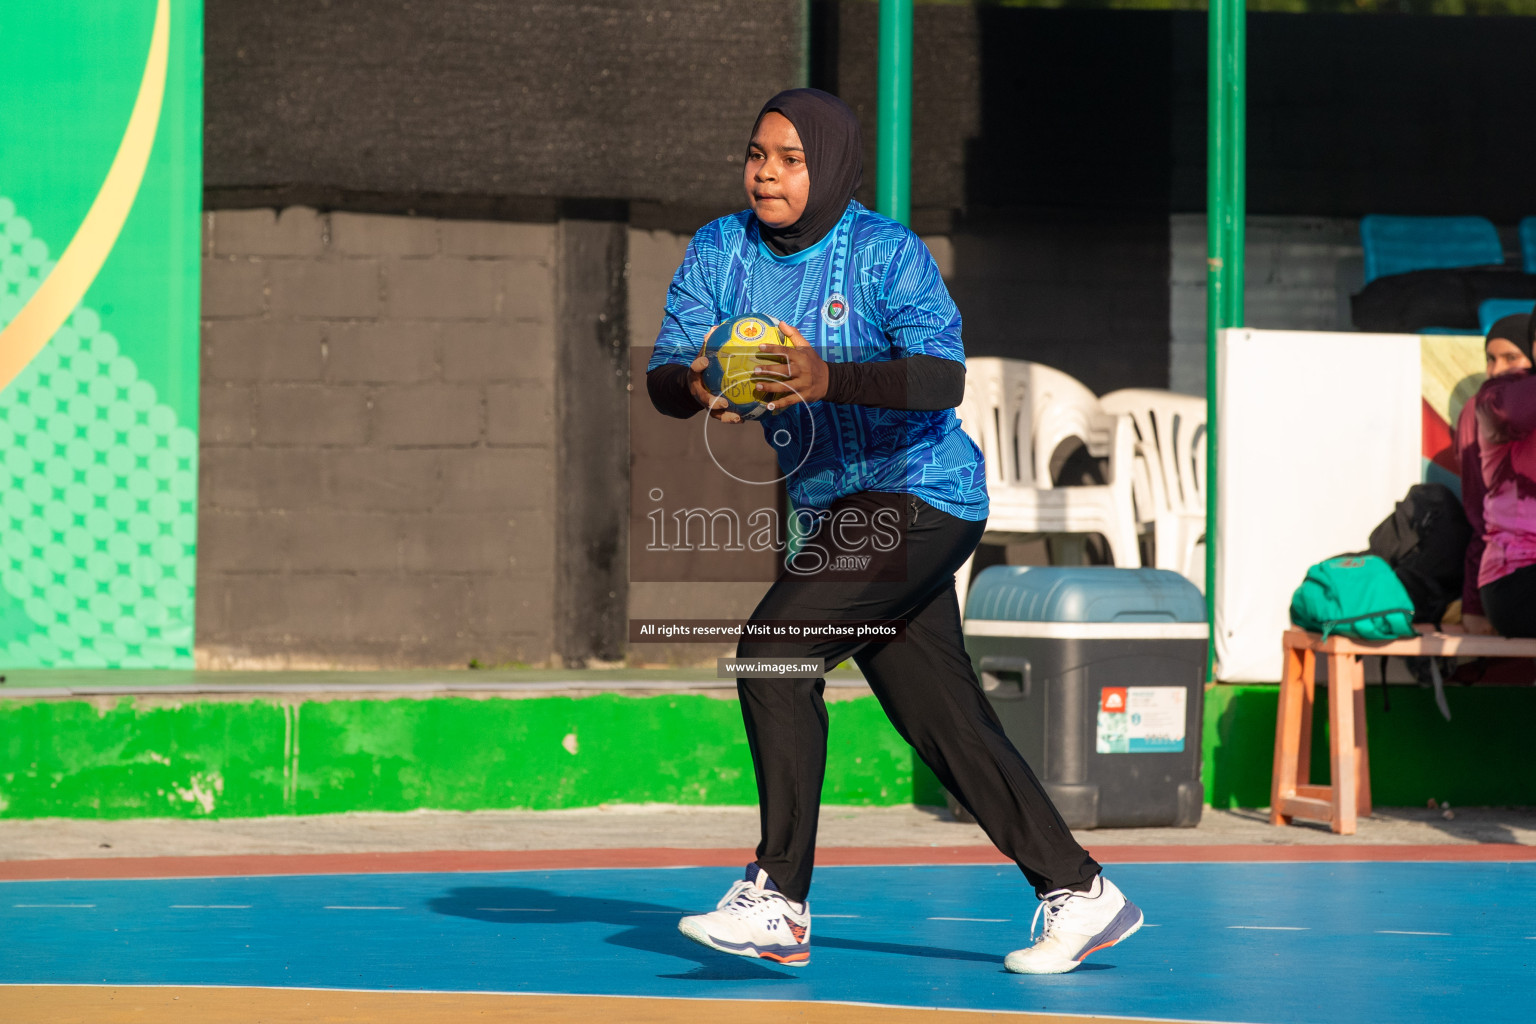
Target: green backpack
point(1357, 596)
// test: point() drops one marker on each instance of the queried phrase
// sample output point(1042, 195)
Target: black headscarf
point(834, 158)
point(1515, 329)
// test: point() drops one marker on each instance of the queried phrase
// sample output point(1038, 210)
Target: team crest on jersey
point(835, 312)
point(749, 329)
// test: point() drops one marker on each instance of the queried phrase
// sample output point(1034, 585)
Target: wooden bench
point(1292, 794)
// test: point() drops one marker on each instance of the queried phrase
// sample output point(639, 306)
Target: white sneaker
point(1076, 924)
point(755, 919)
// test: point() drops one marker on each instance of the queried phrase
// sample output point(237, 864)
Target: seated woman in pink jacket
point(1496, 438)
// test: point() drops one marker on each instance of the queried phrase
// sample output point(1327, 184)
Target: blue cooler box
point(1098, 676)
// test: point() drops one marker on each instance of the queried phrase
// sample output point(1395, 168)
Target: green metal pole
point(1237, 158)
point(1226, 179)
point(804, 78)
point(893, 165)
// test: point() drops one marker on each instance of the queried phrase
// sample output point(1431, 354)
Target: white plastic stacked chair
point(1169, 474)
point(1019, 413)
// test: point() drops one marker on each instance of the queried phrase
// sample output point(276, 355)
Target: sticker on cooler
point(1141, 720)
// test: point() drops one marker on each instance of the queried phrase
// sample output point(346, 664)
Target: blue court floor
point(1270, 943)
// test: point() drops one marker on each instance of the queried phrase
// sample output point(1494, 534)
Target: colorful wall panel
point(1454, 368)
point(100, 196)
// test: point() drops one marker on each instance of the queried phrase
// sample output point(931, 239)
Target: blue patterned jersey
point(868, 291)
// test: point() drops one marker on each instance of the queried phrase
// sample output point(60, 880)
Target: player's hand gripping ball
point(733, 357)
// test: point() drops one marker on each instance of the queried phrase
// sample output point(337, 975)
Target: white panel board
point(1319, 435)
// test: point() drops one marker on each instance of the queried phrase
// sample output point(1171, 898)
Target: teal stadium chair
point(1528, 244)
point(1397, 245)
point(1490, 310)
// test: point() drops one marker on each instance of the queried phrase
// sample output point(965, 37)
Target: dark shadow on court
point(651, 927)
point(903, 949)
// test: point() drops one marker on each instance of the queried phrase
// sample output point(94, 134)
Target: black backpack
point(1425, 542)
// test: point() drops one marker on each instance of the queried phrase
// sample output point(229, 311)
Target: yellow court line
point(104, 1004)
point(56, 298)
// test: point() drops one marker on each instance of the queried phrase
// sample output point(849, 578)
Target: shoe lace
point(744, 897)
point(1051, 908)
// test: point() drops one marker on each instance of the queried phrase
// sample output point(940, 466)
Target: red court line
point(555, 860)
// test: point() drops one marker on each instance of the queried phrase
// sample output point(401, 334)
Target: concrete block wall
point(1300, 273)
point(381, 466)
point(378, 441)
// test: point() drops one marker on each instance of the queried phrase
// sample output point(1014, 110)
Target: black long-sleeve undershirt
point(919, 383)
point(923, 383)
point(668, 388)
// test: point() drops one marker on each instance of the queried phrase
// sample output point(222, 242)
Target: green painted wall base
point(146, 758)
point(155, 757)
point(1480, 758)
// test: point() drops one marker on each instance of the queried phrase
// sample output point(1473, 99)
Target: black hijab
point(834, 158)
point(1515, 329)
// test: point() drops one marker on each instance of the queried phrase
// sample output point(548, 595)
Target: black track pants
point(924, 683)
point(1510, 602)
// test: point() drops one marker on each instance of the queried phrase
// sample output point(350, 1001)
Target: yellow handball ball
point(733, 356)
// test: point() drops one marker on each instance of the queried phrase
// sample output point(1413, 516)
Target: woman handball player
point(866, 398)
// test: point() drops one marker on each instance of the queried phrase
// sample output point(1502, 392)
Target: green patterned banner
point(100, 197)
